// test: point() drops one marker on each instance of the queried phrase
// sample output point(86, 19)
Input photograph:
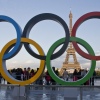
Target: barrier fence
point(51, 92)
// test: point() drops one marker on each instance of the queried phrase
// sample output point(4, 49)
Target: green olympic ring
point(61, 81)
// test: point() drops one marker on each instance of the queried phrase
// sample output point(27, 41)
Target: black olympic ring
point(35, 20)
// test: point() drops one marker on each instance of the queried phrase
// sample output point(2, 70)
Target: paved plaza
point(48, 94)
point(52, 93)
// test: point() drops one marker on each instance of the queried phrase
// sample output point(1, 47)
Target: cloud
point(86, 64)
point(14, 62)
point(58, 62)
point(98, 64)
point(97, 52)
point(29, 61)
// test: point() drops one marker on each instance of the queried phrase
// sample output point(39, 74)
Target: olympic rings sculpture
point(23, 38)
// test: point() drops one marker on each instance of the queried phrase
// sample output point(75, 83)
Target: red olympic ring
point(75, 27)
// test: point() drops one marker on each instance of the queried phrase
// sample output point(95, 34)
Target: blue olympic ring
point(10, 54)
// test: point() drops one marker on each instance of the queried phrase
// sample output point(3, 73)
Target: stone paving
point(45, 93)
point(49, 94)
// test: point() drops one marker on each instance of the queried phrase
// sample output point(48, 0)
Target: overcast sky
point(45, 33)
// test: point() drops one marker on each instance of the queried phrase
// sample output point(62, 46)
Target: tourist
point(75, 75)
point(83, 73)
point(28, 73)
point(92, 78)
point(13, 73)
point(32, 73)
point(24, 74)
point(47, 78)
point(65, 75)
point(79, 74)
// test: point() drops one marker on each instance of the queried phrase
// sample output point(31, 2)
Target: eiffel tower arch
point(70, 52)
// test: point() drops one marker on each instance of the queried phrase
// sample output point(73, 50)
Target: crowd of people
point(27, 73)
point(78, 74)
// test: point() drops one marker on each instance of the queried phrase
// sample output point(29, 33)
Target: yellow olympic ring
point(4, 71)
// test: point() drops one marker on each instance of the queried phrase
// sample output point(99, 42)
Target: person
point(24, 74)
point(79, 74)
point(37, 81)
point(13, 71)
point(83, 73)
point(88, 81)
point(65, 75)
point(75, 75)
point(18, 74)
point(28, 73)
point(47, 78)
point(92, 78)
point(57, 72)
point(32, 73)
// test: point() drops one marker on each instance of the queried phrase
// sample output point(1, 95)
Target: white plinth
point(18, 91)
point(71, 93)
point(22, 90)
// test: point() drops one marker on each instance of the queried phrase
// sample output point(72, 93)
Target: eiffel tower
point(70, 51)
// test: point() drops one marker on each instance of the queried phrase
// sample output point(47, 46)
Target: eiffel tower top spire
point(70, 25)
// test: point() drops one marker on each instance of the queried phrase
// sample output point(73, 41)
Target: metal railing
point(49, 92)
